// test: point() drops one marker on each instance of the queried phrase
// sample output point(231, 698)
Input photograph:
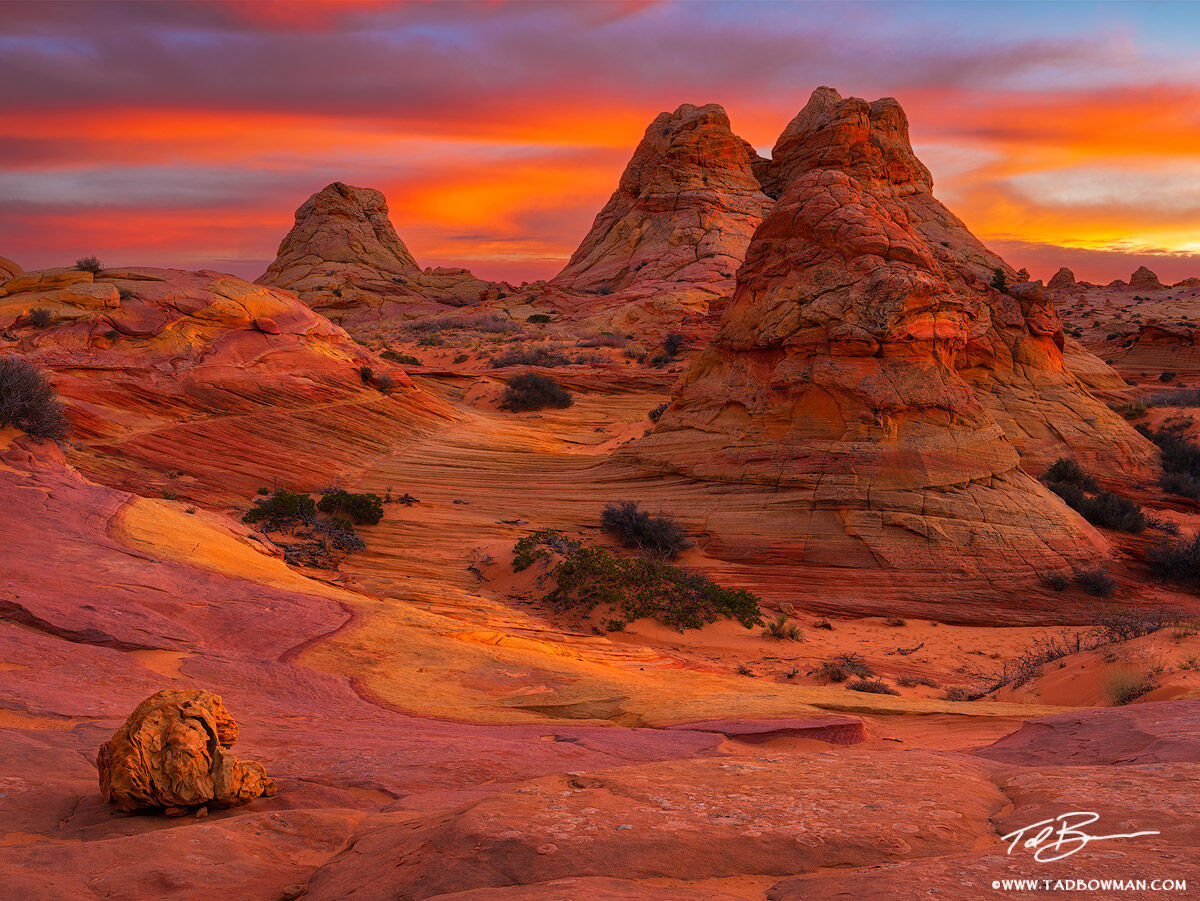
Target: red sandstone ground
point(433, 729)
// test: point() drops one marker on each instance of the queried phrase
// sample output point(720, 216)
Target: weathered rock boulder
point(9, 269)
point(172, 754)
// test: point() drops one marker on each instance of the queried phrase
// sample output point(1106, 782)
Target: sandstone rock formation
point(682, 215)
point(1064, 278)
point(867, 365)
point(343, 255)
point(203, 375)
point(173, 754)
point(1144, 279)
point(9, 269)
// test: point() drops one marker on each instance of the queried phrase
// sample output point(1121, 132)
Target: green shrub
point(999, 280)
point(1110, 511)
point(29, 402)
point(780, 629)
point(587, 576)
point(363, 509)
point(533, 391)
point(1068, 471)
point(283, 504)
point(637, 529)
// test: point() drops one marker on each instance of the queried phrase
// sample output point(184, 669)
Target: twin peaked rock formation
point(867, 368)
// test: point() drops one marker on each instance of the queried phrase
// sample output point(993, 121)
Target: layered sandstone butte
point(1061, 280)
point(681, 217)
point(343, 254)
point(835, 376)
point(173, 754)
point(1144, 279)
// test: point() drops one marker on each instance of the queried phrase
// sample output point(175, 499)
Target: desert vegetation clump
point(1096, 580)
point(841, 668)
point(29, 402)
point(1180, 461)
point(1124, 686)
point(635, 528)
point(587, 576)
point(1079, 490)
point(1177, 560)
point(782, 629)
point(538, 318)
point(89, 264)
point(396, 357)
point(656, 413)
point(541, 356)
point(533, 391)
point(362, 509)
point(325, 531)
point(282, 505)
point(871, 686)
point(39, 318)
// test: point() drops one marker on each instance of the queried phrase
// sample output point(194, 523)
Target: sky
point(186, 134)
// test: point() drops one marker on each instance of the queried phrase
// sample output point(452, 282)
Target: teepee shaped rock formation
point(682, 214)
point(343, 254)
point(837, 375)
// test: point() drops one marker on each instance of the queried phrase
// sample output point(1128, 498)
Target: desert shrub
point(894, 621)
point(999, 280)
point(405, 359)
point(385, 383)
point(282, 505)
point(1167, 375)
point(959, 694)
point(39, 317)
point(658, 361)
point(338, 531)
point(1067, 471)
point(1096, 581)
point(1101, 508)
point(29, 402)
point(658, 411)
point(1177, 560)
point(605, 339)
point(673, 343)
point(1188, 397)
point(635, 528)
point(1123, 686)
point(1183, 484)
point(1134, 410)
point(1056, 581)
point(545, 357)
point(781, 630)
point(533, 391)
point(89, 264)
point(1162, 525)
point(540, 318)
point(366, 373)
point(841, 668)
point(431, 341)
point(604, 290)
point(911, 681)
point(462, 358)
point(363, 509)
point(871, 686)
point(1124, 623)
point(587, 576)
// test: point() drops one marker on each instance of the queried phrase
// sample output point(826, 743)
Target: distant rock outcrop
point(680, 219)
point(1062, 279)
point(343, 254)
point(172, 755)
point(1144, 279)
point(9, 269)
point(866, 363)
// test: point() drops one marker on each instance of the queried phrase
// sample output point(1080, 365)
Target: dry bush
point(29, 402)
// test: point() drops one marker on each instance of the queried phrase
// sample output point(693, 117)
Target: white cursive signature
point(1060, 837)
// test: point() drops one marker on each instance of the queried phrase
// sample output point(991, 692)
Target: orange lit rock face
point(839, 367)
point(173, 753)
point(681, 217)
point(199, 373)
point(343, 254)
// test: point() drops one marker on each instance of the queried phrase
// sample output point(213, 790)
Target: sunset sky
point(186, 134)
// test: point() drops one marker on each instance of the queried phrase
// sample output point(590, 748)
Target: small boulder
point(172, 755)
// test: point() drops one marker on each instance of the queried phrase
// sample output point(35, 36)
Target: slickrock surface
point(680, 220)
point(838, 376)
point(172, 754)
point(213, 384)
point(344, 258)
